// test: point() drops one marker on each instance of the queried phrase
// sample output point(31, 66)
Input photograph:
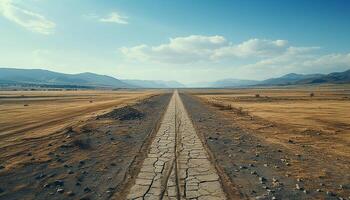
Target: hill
point(11, 76)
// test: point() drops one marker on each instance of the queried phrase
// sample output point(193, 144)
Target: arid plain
point(264, 143)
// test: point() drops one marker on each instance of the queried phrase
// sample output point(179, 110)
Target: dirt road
point(177, 165)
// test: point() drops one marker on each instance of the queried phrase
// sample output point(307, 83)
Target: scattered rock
point(60, 190)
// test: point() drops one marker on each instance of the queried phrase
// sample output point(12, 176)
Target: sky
point(183, 40)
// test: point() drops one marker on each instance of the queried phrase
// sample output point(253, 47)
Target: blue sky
point(184, 40)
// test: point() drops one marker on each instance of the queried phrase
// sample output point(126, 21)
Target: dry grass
point(34, 114)
point(321, 120)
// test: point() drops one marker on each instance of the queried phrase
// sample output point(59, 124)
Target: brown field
point(26, 115)
point(292, 110)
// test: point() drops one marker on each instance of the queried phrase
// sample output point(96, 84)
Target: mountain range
point(45, 78)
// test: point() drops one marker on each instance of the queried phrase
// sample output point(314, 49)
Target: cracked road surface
point(177, 165)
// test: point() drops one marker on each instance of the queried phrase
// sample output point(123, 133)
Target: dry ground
point(315, 130)
point(325, 114)
point(64, 140)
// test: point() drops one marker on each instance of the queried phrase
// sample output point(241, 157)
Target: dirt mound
point(125, 113)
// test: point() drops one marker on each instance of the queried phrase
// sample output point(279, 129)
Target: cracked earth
point(177, 165)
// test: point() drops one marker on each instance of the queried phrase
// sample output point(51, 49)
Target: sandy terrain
point(284, 134)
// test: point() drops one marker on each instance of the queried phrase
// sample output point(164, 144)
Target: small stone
point(262, 179)
point(265, 165)
point(70, 193)
point(274, 198)
point(29, 154)
point(305, 191)
point(300, 180)
point(87, 189)
point(70, 172)
point(2, 167)
point(113, 164)
point(318, 190)
point(60, 190)
point(257, 155)
point(242, 167)
point(253, 172)
point(297, 186)
point(251, 165)
point(59, 183)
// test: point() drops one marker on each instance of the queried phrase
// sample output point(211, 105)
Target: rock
point(297, 187)
point(113, 164)
point(87, 189)
point(70, 172)
point(70, 193)
point(82, 162)
point(253, 173)
point(300, 180)
point(46, 185)
point(262, 179)
point(59, 183)
point(290, 141)
point(318, 190)
point(251, 165)
point(305, 191)
point(330, 193)
point(265, 165)
point(257, 155)
point(2, 167)
point(29, 154)
point(258, 145)
point(78, 184)
point(242, 167)
point(60, 190)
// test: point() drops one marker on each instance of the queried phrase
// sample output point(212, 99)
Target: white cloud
point(196, 48)
point(26, 18)
point(114, 17)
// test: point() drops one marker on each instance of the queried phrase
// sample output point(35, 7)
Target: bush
point(257, 95)
point(312, 94)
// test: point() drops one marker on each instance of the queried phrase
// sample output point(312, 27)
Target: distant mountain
point(288, 79)
point(335, 77)
point(233, 83)
point(45, 77)
point(154, 83)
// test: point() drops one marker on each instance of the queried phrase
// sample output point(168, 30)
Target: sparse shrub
point(312, 94)
point(257, 95)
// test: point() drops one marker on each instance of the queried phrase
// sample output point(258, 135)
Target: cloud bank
point(28, 19)
point(260, 54)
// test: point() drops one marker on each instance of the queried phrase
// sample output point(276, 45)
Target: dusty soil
point(260, 162)
point(91, 159)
